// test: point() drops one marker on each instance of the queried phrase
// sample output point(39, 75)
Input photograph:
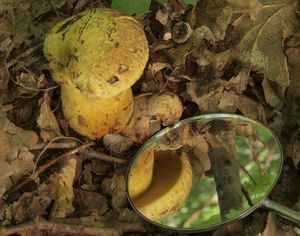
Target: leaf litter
point(239, 57)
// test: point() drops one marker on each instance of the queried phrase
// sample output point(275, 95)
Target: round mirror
point(204, 172)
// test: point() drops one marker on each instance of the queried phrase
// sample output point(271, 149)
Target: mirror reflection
point(204, 172)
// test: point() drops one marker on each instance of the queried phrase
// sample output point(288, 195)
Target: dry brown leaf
point(29, 207)
point(220, 95)
point(15, 157)
point(5, 173)
point(271, 96)
point(118, 187)
point(157, 66)
point(46, 121)
point(162, 17)
point(62, 189)
point(22, 165)
point(251, 108)
point(87, 203)
point(262, 47)
point(217, 14)
point(273, 230)
point(117, 144)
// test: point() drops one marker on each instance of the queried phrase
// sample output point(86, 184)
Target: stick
point(103, 157)
point(48, 165)
point(56, 228)
point(58, 145)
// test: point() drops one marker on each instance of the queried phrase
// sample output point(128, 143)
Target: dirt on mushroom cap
point(102, 51)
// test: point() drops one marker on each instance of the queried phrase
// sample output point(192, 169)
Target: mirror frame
point(190, 120)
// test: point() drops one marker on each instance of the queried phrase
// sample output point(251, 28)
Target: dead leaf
point(5, 173)
point(46, 121)
point(118, 187)
point(219, 95)
point(5, 145)
point(162, 17)
point(217, 14)
point(15, 157)
point(22, 165)
point(87, 203)
point(62, 189)
point(262, 46)
point(157, 66)
point(127, 215)
point(273, 230)
point(271, 96)
point(292, 110)
point(29, 207)
point(117, 144)
point(251, 109)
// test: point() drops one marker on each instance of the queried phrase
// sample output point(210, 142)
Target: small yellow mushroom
point(165, 106)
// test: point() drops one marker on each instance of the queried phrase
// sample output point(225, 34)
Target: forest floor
point(218, 56)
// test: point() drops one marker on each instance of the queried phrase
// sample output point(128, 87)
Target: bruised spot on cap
point(81, 120)
point(122, 68)
point(112, 79)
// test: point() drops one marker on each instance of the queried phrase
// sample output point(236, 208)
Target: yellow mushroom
point(97, 55)
point(165, 106)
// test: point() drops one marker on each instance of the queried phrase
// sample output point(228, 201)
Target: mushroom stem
point(96, 117)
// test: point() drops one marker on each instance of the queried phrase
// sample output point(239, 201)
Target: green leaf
point(162, 1)
point(190, 2)
point(139, 7)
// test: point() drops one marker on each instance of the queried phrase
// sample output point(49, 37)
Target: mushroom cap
point(165, 106)
point(96, 117)
point(102, 51)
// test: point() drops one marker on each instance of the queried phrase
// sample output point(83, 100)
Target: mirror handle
point(283, 211)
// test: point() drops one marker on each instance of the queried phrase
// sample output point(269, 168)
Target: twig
point(58, 145)
point(104, 157)
point(164, 51)
point(56, 228)
point(48, 165)
point(24, 54)
point(132, 227)
point(46, 148)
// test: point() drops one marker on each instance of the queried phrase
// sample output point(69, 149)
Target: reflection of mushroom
point(96, 56)
point(141, 174)
point(170, 185)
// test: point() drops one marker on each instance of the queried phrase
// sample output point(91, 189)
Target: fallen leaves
point(62, 189)
point(241, 57)
point(217, 14)
point(262, 47)
point(29, 207)
point(272, 228)
point(15, 157)
point(46, 121)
